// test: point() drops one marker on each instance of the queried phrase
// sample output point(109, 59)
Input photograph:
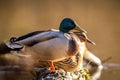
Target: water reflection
point(111, 71)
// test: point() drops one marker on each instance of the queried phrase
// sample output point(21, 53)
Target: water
point(111, 71)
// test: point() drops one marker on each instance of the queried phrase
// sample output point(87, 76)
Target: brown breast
point(73, 47)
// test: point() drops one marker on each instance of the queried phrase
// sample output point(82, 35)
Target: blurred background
point(100, 18)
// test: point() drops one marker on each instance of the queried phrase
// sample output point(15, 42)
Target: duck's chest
point(74, 45)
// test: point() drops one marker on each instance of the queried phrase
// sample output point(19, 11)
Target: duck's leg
point(52, 67)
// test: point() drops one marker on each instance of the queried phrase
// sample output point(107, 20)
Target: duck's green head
point(68, 24)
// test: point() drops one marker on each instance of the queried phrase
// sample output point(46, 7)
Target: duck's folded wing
point(35, 37)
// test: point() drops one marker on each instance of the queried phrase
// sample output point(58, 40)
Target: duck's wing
point(32, 38)
point(28, 35)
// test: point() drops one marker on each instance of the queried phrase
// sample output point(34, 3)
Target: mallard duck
point(49, 45)
point(71, 63)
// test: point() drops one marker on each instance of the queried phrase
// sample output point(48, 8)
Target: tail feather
point(4, 48)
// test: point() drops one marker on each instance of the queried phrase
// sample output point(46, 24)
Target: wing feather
point(36, 37)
